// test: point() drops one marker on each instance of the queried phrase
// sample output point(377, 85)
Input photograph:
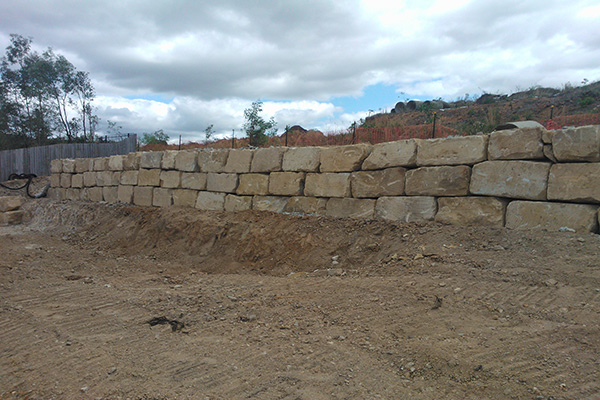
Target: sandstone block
point(151, 159)
point(129, 177)
point(11, 218)
point(85, 194)
point(551, 216)
point(58, 194)
point(95, 194)
point(327, 185)
point(306, 205)
point(149, 177)
point(210, 201)
point(195, 180)
point(438, 181)
point(578, 182)
point(385, 182)
point(108, 178)
point(267, 159)
point(269, 203)
point(238, 161)
point(402, 153)
point(142, 195)
point(226, 183)
point(100, 164)
point(185, 197)
point(73, 194)
point(549, 154)
point(577, 144)
point(115, 163)
point(170, 179)
point(512, 179)
point(406, 209)
point(547, 136)
point(344, 158)
point(131, 161)
point(187, 161)
point(286, 183)
point(55, 180)
point(452, 151)
point(516, 144)
point(125, 194)
point(350, 208)
point(302, 159)
point(84, 165)
point(65, 180)
point(77, 181)
point(90, 179)
point(253, 184)
point(471, 210)
point(56, 166)
point(237, 203)
point(110, 194)
point(162, 197)
point(10, 203)
point(168, 159)
point(68, 165)
point(212, 160)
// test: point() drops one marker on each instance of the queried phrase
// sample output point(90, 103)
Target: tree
point(209, 132)
point(157, 137)
point(257, 129)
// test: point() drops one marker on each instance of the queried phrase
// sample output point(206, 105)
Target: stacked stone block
point(10, 210)
point(522, 179)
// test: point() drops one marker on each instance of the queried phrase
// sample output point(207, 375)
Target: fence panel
point(36, 160)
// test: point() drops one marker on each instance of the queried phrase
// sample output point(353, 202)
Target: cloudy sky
point(182, 65)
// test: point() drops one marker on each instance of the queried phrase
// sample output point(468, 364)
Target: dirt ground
point(103, 301)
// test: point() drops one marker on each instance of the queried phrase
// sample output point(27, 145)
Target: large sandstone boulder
point(306, 205)
point(377, 183)
point(151, 159)
point(127, 178)
point(142, 195)
point(169, 179)
point(187, 161)
point(518, 144)
point(512, 179)
point(149, 177)
point(100, 164)
point(115, 163)
point(577, 144)
point(438, 181)
point(452, 151)
point(168, 159)
point(110, 194)
point(253, 184)
point(212, 160)
point(125, 194)
point(185, 197)
point(269, 203)
point(84, 165)
point(68, 165)
point(77, 181)
point(350, 208)
point(193, 180)
point(286, 183)
point(210, 201)
point(235, 203)
point(226, 183)
point(131, 161)
point(578, 182)
point(402, 153)
point(65, 180)
point(302, 159)
point(406, 209)
point(327, 185)
point(10, 203)
point(343, 158)
point(471, 210)
point(56, 166)
point(238, 161)
point(267, 159)
point(90, 179)
point(162, 197)
point(551, 216)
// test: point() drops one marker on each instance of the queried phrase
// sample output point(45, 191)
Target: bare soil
point(102, 301)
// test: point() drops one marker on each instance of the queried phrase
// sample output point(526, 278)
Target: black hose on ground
point(26, 185)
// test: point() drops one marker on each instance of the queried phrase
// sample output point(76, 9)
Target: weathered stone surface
point(125, 194)
point(142, 195)
point(11, 218)
point(471, 210)
point(196, 180)
point(95, 194)
point(306, 205)
point(84, 165)
point(350, 208)
point(547, 136)
point(238, 161)
point(286, 183)
point(269, 203)
point(575, 182)
point(65, 180)
point(110, 194)
point(73, 194)
point(438, 181)
point(100, 164)
point(402, 153)
point(129, 178)
point(162, 197)
point(131, 161)
point(512, 179)
point(327, 185)
point(344, 158)
point(187, 161)
point(151, 159)
point(168, 159)
point(226, 183)
point(185, 197)
point(551, 216)
point(302, 159)
point(210, 201)
point(89, 179)
point(56, 166)
point(149, 177)
point(517, 144)
point(55, 180)
point(385, 182)
point(68, 165)
point(10, 203)
point(253, 184)
point(115, 163)
point(452, 151)
point(549, 154)
point(577, 144)
point(406, 209)
point(212, 160)
point(108, 178)
point(77, 181)
point(237, 203)
point(170, 179)
point(267, 159)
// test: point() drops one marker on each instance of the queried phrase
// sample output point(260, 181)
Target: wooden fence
point(36, 160)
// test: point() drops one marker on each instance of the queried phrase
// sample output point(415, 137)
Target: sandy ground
point(105, 301)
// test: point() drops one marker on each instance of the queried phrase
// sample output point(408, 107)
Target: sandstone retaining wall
point(522, 179)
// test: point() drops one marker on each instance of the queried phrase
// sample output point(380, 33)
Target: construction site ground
point(105, 301)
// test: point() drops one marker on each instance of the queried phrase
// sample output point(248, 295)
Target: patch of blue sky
point(152, 97)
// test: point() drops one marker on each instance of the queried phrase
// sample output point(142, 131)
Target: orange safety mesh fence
point(571, 120)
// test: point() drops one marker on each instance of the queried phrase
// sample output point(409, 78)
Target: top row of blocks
point(566, 145)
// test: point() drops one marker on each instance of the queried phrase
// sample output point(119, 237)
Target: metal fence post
point(434, 119)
